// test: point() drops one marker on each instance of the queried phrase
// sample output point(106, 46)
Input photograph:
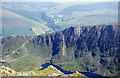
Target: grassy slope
point(26, 58)
point(20, 24)
point(21, 60)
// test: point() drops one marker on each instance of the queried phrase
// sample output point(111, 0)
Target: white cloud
point(60, 0)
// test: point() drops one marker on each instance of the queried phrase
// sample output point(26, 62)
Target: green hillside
point(77, 48)
point(20, 24)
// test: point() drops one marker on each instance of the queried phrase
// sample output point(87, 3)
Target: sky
point(59, 0)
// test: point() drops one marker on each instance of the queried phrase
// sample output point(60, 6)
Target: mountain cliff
point(85, 49)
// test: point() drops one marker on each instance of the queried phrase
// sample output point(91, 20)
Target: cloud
point(60, 0)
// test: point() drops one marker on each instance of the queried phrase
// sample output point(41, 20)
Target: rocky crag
point(86, 49)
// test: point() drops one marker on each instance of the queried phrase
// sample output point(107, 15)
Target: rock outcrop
point(87, 49)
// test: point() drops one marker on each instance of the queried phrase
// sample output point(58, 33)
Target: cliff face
point(91, 49)
point(86, 49)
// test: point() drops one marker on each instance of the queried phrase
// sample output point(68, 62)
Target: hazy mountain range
point(30, 18)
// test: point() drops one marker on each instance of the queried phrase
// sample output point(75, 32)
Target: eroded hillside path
point(20, 47)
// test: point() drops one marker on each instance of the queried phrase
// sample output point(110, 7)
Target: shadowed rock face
point(87, 49)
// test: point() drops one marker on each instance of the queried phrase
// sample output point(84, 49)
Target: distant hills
point(14, 24)
point(86, 49)
point(23, 18)
point(30, 18)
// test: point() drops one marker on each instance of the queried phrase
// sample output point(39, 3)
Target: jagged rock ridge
point(86, 49)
